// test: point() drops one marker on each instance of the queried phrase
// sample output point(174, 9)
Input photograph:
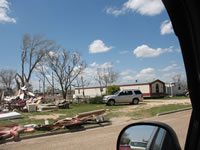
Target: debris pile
point(13, 131)
point(97, 116)
point(10, 115)
point(27, 101)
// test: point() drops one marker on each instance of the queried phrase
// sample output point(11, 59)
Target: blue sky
point(133, 36)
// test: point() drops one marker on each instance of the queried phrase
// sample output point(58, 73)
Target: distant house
point(174, 89)
point(152, 89)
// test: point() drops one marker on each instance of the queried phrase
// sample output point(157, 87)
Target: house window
point(101, 89)
point(79, 91)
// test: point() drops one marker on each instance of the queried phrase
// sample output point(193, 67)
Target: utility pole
point(53, 84)
point(44, 87)
point(39, 86)
point(82, 86)
point(171, 85)
point(70, 86)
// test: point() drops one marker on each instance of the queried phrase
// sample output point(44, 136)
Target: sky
point(140, 132)
point(135, 37)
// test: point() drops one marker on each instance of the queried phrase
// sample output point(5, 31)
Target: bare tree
point(110, 76)
point(66, 65)
point(7, 78)
point(106, 76)
point(83, 83)
point(180, 81)
point(99, 76)
point(33, 50)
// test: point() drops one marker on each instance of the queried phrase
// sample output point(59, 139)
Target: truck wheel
point(111, 102)
point(135, 101)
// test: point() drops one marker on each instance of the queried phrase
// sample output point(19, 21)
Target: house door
point(157, 89)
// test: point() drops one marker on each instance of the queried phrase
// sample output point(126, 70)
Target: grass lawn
point(150, 112)
point(79, 108)
point(74, 109)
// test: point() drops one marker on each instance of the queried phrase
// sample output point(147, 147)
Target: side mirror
point(148, 136)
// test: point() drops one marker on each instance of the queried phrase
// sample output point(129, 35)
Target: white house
point(174, 89)
point(152, 89)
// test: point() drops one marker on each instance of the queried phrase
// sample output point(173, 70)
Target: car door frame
point(185, 18)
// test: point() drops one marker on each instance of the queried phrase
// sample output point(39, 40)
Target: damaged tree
point(33, 50)
point(7, 78)
point(66, 66)
point(83, 83)
point(106, 76)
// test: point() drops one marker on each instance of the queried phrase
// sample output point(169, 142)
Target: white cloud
point(127, 79)
point(178, 50)
point(104, 65)
point(127, 72)
point(168, 77)
point(90, 72)
point(166, 27)
point(123, 52)
point(35, 84)
point(117, 61)
point(116, 12)
point(54, 54)
point(168, 68)
point(146, 51)
point(143, 7)
point(147, 71)
point(98, 46)
point(4, 10)
point(94, 64)
point(147, 74)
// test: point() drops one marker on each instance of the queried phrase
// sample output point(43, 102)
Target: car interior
point(185, 18)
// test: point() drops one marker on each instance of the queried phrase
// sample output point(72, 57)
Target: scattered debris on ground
point(97, 116)
point(10, 115)
point(45, 117)
point(13, 131)
point(26, 101)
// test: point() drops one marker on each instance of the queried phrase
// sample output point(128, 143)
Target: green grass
point(145, 113)
point(79, 108)
point(74, 109)
point(167, 108)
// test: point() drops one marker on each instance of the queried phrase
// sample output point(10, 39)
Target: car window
point(122, 93)
point(129, 93)
point(83, 48)
point(137, 92)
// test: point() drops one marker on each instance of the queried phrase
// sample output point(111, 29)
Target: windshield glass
point(60, 58)
point(116, 93)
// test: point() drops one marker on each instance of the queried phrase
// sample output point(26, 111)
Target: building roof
point(136, 84)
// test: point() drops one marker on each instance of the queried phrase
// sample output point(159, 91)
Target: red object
point(124, 147)
point(13, 132)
